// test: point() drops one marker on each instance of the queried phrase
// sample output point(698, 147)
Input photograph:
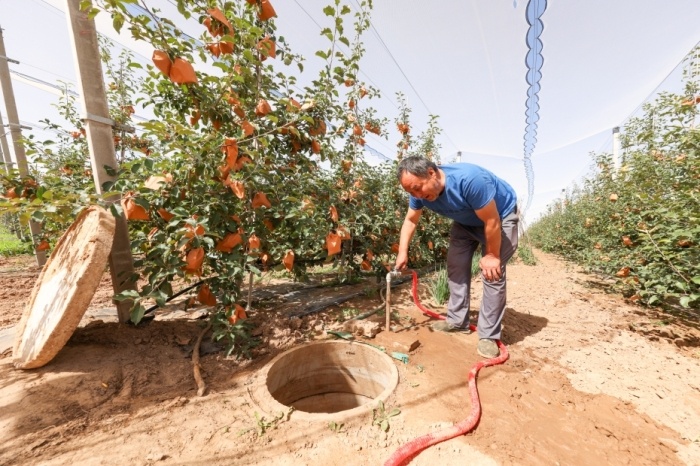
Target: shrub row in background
point(640, 224)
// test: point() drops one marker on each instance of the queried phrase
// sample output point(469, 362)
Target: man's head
point(421, 178)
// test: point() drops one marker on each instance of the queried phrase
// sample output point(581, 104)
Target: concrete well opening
point(331, 378)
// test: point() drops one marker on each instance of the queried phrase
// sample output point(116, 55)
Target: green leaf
point(322, 54)
point(126, 294)
point(328, 10)
point(116, 210)
point(137, 314)
point(117, 21)
point(93, 12)
point(685, 300)
point(38, 216)
point(142, 202)
point(160, 298)
point(696, 280)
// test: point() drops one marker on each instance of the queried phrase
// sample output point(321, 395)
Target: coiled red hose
point(406, 452)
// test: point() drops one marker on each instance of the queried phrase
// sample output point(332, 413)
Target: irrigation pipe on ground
point(408, 451)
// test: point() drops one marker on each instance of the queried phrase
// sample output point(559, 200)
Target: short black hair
point(415, 165)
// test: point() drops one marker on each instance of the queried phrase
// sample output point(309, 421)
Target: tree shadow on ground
point(103, 370)
point(686, 320)
point(518, 325)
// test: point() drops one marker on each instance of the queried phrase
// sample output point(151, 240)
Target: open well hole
point(331, 377)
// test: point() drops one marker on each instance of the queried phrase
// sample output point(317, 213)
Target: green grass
point(439, 287)
point(526, 254)
point(11, 246)
point(476, 270)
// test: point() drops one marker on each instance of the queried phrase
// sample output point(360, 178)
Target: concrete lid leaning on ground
point(64, 288)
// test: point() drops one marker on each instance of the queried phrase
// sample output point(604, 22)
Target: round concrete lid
point(64, 288)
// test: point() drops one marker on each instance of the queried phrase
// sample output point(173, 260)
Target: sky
point(463, 60)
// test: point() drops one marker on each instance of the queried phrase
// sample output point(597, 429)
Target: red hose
point(405, 453)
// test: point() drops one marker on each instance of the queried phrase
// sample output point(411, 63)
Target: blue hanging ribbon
point(533, 61)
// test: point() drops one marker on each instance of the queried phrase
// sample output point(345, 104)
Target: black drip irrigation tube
point(333, 301)
point(339, 300)
point(151, 309)
point(179, 293)
point(149, 313)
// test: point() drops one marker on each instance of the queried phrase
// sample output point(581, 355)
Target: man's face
point(428, 188)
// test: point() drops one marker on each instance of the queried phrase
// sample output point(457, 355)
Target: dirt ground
point(591, 380)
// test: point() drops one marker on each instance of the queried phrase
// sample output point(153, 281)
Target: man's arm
point(490, 262)
point(407, 230)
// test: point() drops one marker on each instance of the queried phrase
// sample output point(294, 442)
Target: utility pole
point(100, 141)
point(16, 134)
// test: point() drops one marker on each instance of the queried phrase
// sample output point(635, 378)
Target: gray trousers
point(463, 242)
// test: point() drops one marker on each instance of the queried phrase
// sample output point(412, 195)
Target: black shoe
point(488, 348)
point(444, 326)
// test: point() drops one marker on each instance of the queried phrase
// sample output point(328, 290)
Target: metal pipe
point(389, 276)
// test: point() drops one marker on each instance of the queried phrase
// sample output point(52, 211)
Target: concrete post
point(16, 134)
point(100, 141)
point(4, 147)
point(616, 151)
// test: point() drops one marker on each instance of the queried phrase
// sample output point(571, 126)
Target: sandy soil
point(591, 380)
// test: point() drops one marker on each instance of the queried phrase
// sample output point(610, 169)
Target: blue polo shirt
point(468, 188)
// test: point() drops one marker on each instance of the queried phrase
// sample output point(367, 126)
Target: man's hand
point(490, 267)
point(490, 263)
point(401, 261)
point(407, 230)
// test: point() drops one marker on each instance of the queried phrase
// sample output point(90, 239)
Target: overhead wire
point(33, 79)
point(376, 33)
point(65, 78)
point(51, 7)
point(489, 67)
point(141, 10)
point(391, 55)
point(654, 91)
point(607, 144)
point(360, 71)
point(370, 149)
point(367, 147)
